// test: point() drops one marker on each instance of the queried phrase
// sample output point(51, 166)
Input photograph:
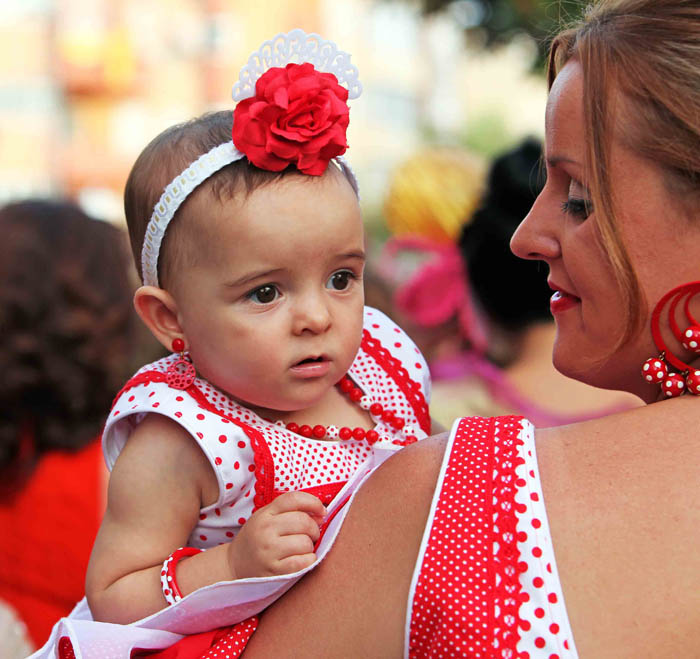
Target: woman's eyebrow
point(553, 161)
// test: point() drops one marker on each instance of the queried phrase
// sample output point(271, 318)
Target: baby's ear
point(158, 310)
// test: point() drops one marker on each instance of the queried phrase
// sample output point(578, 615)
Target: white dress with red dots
point(486, 582)
point(254, 461)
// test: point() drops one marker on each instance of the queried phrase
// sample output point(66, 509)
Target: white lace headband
point(295, 47)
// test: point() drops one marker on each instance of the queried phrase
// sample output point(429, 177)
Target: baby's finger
point(296, 522)
point(294, 545)
point(295, 563)
point(303, 501)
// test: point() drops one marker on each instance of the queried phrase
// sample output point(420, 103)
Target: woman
point(617, 226)
point(67, 321)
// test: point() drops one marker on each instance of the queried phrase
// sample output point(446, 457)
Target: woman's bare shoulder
point(616, 491)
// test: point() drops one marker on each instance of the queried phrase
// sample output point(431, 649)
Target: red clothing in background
point(47, 531)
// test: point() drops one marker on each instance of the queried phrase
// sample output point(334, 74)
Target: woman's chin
point(585, 369)
point(610, 373)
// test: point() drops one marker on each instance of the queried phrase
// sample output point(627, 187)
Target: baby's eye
point(340, 280)
point(264, 294)
point(578, 208)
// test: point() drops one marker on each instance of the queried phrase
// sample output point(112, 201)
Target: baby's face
point(272, 309)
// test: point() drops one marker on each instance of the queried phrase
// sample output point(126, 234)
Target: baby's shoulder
point(392, 348)
point(379, 329)
point(199, 412)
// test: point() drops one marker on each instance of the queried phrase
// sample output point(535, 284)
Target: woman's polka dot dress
point(486, 583)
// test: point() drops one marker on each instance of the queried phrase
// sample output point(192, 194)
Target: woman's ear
point(158, 310)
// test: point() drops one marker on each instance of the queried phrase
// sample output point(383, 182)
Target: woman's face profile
point(561, 230)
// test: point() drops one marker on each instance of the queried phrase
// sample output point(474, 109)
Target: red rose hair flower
point(298, 116)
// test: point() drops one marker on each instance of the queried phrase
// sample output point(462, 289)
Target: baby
point(281, 385)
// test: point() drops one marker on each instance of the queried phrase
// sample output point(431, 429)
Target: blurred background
point(85, 84)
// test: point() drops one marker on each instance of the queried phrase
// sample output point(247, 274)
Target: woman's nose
point(536, 237)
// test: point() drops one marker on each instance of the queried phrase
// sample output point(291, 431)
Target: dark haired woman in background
point(66, 327)
point(512, 294)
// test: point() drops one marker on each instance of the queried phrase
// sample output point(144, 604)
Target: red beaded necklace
point(376, 410)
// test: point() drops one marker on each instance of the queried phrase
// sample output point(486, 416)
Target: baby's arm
point(157, 487)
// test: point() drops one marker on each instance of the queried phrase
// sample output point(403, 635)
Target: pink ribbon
point(438, 290)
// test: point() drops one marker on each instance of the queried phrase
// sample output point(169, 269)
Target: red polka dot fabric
point(255, 460)
point(232, 646)
point(486, 583)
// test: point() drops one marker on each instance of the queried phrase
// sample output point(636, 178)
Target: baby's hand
point(279, 538)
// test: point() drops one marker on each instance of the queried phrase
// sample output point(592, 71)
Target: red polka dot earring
point(180, 373)
point(656, 369)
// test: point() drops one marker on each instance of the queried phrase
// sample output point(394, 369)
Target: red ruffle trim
point(410, 388)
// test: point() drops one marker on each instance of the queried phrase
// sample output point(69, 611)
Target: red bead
point(673, 385)
point(355, 394)
point(691, 338)
point(346, 384)
point(319, 431)
point(693, 383)
point(178, 345)
point(376, 409)
point(398, 423)
point(372, 436)
point(359, 433)
point(411, 439)
point(345, 433)
point(654, 370)
point(388, 416)
point(293, 427)
point(305, 431)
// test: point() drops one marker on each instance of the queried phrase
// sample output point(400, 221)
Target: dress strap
point(465, 593)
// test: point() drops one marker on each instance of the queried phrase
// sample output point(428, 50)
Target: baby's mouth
point(311, 360)
point(312, 367)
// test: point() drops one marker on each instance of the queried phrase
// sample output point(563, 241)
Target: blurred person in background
point(513, 368)
point(484, 313)
point(67, 341)
point(428, 196)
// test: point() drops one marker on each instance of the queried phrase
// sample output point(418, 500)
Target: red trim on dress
point(467, 594)
point(329, 519)
point(392, 366)
point(326, 493)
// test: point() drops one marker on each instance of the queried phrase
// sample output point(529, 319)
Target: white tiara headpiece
point(295, 47)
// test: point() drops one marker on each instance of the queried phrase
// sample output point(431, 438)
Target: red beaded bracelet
point(171, 592)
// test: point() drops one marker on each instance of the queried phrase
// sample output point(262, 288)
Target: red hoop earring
point(180, 373)
point(656, 369)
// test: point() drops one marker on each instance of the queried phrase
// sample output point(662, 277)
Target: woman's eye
point(339, 281)
point(264, 294)
point(578, 208)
